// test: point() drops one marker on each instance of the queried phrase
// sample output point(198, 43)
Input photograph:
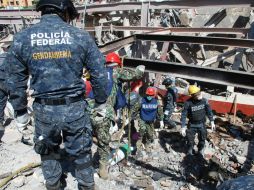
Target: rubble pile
point(164, 166)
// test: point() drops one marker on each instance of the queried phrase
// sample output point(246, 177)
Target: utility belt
point(196, 124)
point(58, 101)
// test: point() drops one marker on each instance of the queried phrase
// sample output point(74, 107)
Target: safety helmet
point(167, 81)
point(150, 91)
point(193, 89)
point(113, 59)
point(60, 5)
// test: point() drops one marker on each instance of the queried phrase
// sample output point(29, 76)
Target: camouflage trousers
point(103, 137)
point(146, 130)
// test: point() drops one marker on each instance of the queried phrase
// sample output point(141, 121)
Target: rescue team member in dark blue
point(54, 53)
point(196, 109)
point(169, 102)
point(149, 109)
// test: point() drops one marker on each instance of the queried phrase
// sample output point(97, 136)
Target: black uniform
point(196, 111)
point(169, 105)
point(54, 54)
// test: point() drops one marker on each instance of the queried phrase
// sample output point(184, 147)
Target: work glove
point(166, 112)
point(140, 69)
point(212, 125)
point(161, 124)
point(127, 121)
point(113, 128)
point(183, 131)
point(22, 121)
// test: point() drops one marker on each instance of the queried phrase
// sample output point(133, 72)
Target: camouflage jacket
point(54, 54)
point(119, 76)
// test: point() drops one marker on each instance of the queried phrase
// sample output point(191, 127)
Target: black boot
point(82, 187)
point(56, 186)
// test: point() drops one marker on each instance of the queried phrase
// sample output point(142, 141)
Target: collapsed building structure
point(208, 42)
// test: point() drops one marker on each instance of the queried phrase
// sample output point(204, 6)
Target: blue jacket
point(148, 111)
point(54, 54)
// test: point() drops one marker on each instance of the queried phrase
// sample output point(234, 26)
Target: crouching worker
point(149, 109)
point(196, 109)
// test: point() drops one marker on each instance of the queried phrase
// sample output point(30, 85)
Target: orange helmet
point(113, 59)
point(150, 91)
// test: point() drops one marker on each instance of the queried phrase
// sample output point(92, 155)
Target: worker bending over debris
point(58, 89)
point(196, 109)
point(169, 102)
point(116, 100)
point(149, 109)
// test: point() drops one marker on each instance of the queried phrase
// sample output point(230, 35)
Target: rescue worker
point(196, 109)
point(169, 102)
point(54, 53)
point(149, 109)
point(116, 100)
point(3, 91)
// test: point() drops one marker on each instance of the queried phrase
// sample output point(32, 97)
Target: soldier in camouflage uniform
point(54, 53)
point(116, 100)
point(149, 109)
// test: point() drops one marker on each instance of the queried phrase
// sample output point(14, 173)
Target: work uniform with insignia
point(149, 111)
point(196, 111)
point(54, 53)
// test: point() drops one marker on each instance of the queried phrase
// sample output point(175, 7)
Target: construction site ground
point(164, 166)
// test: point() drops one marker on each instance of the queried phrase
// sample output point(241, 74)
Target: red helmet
point(113, 59)
point(150, 91)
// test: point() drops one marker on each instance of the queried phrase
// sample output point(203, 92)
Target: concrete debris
point(19, 182)
point(228, 152)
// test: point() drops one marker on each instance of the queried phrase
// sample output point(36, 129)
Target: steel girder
point(198, 40)
point(121, 6)
point(174, 29)
point(115, 45)
point(193, 72)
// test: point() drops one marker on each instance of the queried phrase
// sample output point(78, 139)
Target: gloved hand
point(140, 70)
point(166, 112)
point(127, 121)
point(183, 131)
point(161, 124)
point(212, 125)
point(113, 128)
point(22, 121)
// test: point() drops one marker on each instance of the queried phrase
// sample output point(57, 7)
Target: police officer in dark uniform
point(54, 53)
point(169, 102)
point(196, 109)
